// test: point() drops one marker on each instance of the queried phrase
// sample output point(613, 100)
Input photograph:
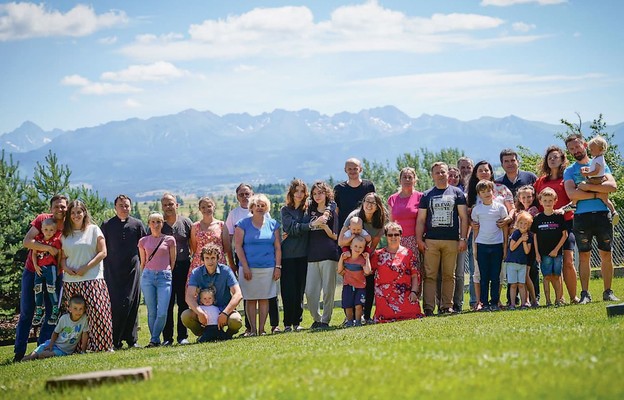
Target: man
point(442, 211)
point(58, 207)
point(465, 166)
point(228, 294)
point(349, 194)
point(179, 227)
point(591, 218)
point(514, 178)
point(122, 271)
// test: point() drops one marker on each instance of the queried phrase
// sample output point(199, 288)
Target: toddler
point(517, 260)
point(46, 267)
point(526, 200)
point(70, 334)
point(354, 267)
point(595, 173)
point(356, 228)
point(549, 235)
point(206, 299)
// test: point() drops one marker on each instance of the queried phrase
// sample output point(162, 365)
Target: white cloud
point(28, 20)
point(522, 27)
point(97, 88)
point(507, 3)
point(292, 31)
point(159, 71)
point(131, 103)
point(108, 40)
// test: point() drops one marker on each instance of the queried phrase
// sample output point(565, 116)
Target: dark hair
point(211, 248)
point(518, 205)
point(242, 185)
point(380, 216)
point(290, 195)
point(507, 152)
point(546, 169)
point(58, 197)
point(68, 228)
point(325, 188)
point(472, 182)
point(573, 136)
point(122, 197)
point(77, 299)
point(484, 185)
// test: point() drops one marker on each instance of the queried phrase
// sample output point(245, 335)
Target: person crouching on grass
point(549, 235)
point(517, 260)
point(70, 335)
point(354, 266)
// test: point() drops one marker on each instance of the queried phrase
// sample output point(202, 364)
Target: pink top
point(161, 260)
point(404, 211)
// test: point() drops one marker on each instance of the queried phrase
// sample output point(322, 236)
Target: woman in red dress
point(397, 279)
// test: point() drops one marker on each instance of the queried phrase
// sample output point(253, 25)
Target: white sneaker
point(183, 342)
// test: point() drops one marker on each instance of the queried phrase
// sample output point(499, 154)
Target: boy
point(491, 243)
point(549, 235)
point(70, 335)
point(354, 267)
point(207, 304)
point(517, 260)
point(46, 267)
point(595, 173)
point(356, 228)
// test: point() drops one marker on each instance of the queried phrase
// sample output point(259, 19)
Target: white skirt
point(260, 287)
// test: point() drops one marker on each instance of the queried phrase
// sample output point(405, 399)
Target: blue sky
point(70, 64)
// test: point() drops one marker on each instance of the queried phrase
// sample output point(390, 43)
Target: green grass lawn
point(572, 352)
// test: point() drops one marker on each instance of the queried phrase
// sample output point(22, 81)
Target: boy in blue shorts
point(70, 335)
point(549, 235)
point(354, 267)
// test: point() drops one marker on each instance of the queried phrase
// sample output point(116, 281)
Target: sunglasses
point(393, 234)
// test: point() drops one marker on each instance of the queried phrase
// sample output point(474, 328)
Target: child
point(46, 266)
point(491, 243)
point(70, 335)
point(549, 234)
point(207, 304)
point(526, 200)
point(356, 227)
point(354, 267)
point(517, 260)
point(595, 173)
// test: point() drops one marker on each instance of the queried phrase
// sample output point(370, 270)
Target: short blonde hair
point(600, 142)
point(547, 192)
point(156, 215)
point(253, 200)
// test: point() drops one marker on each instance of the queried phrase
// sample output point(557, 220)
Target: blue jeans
point(156, 287)
point(490, 257)
point(27, 311)
point(48, 275)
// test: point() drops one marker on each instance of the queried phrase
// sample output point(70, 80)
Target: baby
point(356, 228)
point(595, 173)
point(207, 304)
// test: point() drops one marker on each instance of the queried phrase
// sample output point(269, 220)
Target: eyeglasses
point(393, 235)
point(370, 202)
point(553, 158)
point(244, 194)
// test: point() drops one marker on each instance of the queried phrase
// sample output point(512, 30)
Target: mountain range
point(201, 152)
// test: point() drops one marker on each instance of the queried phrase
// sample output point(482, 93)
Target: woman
point(397, 279)
point(84, 248)
point(374, 215)
point(158, 255)
point(403, 207)
point(553, 165)
point(323, 253)
point(483, 171)
point(209, 230)
point(257, 243)
point(296, 225)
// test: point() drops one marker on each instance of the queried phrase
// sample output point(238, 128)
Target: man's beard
point(580, 156)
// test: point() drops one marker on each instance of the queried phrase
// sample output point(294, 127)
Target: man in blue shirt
point(228, 294)
point(591, 217)
point(514, 178)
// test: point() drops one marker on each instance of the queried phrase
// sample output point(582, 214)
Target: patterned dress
point(202, 238)
point(393, 285)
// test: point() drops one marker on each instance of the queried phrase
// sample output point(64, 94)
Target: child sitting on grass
point(46, 268)
point(517, 260)
point(354, 267)
point(70, 335)
point(206, 299)
point(549, 235)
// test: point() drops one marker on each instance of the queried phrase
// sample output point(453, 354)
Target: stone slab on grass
point(100, 377)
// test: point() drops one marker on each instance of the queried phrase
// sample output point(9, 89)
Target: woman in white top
point(84, 249)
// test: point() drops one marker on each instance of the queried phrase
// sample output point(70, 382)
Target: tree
point(14, 220)
point(49, 179)
point(99, 208)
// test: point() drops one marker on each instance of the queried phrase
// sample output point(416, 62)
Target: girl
point(354, 266)
point(526, 200)
point(517, 260)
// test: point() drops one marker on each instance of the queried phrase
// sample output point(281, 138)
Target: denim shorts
point(551, 265)
point(516, 273)
point(352, 296)
point(57, 352)
point(588, 225)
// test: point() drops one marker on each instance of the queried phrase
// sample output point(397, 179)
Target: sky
point(67, 65)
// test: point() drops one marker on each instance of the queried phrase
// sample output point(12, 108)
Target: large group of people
point(389, 255)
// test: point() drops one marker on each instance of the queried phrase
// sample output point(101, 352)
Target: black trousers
point(293, 282)
point(178, 289)
point(370, 296)
point(125, 297)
